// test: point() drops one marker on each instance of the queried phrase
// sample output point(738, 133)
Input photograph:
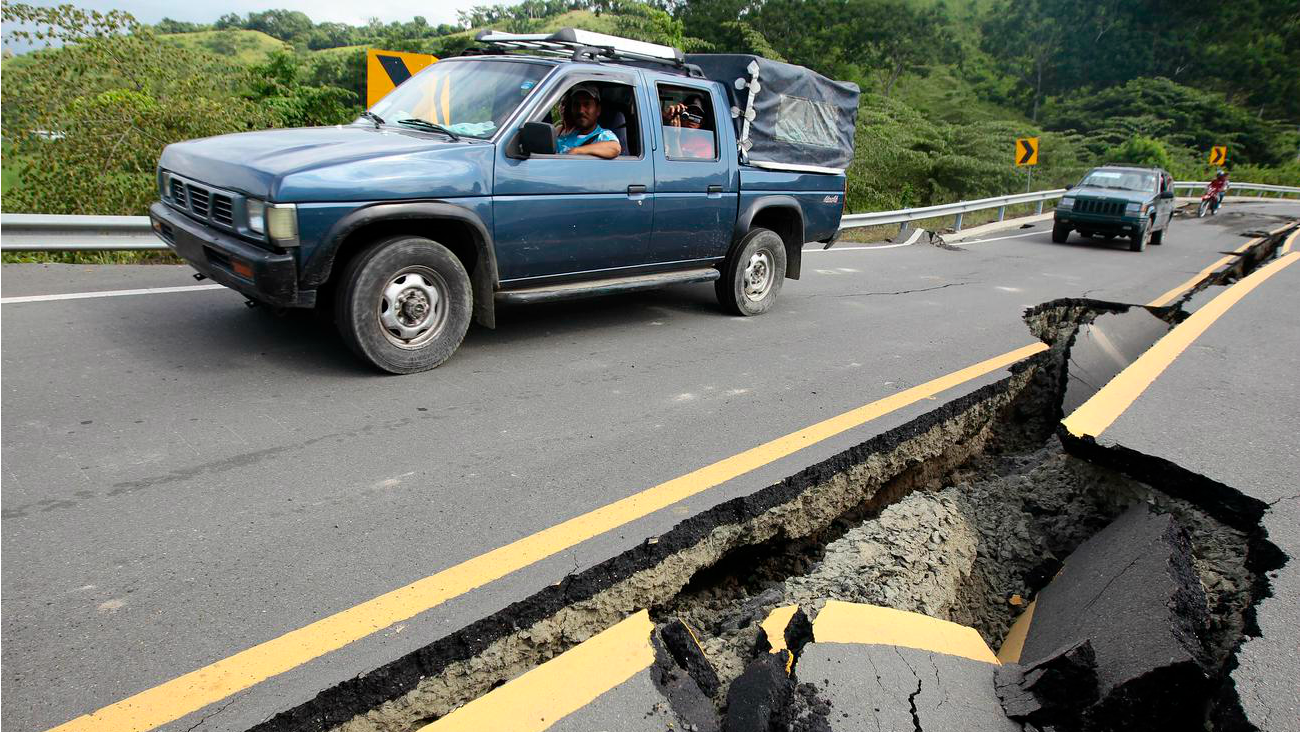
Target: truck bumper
point(1100, 224)
point(262, 275)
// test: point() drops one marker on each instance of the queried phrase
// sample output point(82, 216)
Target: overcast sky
point(343, 11)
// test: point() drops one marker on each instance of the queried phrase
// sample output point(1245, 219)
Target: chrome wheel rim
point(413, 307)
point(757, 276)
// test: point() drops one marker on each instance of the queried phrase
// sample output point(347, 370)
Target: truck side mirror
point(537, 138)
point(1068, 186)
point(1167, 194)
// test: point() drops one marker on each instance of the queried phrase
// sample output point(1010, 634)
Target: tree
point(1026, 39)
point(278, 87)
point(289, 26)
point(902, 37)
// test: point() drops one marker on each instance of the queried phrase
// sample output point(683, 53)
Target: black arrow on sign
point(1218, 156)
point(1029, 152)
point(395, 68)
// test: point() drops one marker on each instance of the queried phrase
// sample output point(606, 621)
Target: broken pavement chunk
point(681, 642)
point(880, 668)
point(896, 688)
point(785, 628)
point(1054, 691)
point(760, 694)
point(1131, 592)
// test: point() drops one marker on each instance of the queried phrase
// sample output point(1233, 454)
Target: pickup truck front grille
point(223, 211)
point(212, 206)
point(198, 200)
point(1102, 208)
point(178, 193)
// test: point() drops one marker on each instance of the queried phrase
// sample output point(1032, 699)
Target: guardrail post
point(957, 225)
point(1039, 211)
point(1002, 212)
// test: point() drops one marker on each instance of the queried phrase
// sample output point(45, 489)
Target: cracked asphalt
point(184, 477)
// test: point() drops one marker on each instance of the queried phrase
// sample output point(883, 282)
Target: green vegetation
point(947, 87)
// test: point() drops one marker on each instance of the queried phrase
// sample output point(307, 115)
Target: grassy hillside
point(242, 46)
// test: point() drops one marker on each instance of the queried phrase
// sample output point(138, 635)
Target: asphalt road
point(184, 477)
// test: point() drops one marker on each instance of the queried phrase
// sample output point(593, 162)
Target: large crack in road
point(964, 514)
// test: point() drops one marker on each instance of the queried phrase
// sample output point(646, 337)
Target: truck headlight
point(282, 224)
point(256, 215)
point(1066, 203)
point(1135, 209)
point(164, 184)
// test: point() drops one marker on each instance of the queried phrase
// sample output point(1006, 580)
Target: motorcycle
point(1209, 205)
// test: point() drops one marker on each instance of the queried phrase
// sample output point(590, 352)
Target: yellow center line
point(774, 625)
point(543, 696)
point(849, 622)
point(1103, 408)
point(193, 691)
point(1195, 279)
point(1290, 240)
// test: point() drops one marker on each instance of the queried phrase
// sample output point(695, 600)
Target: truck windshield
point(1128, 180)
point(470, 98)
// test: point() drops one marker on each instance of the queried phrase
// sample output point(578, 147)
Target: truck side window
point(688, 124)
point(617, 114)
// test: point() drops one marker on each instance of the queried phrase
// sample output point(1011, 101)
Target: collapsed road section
point(974, 514)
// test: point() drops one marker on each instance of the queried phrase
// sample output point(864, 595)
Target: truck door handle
point(715, 189)
point(635, 190)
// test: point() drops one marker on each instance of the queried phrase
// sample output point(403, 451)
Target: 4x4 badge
point(831, 199)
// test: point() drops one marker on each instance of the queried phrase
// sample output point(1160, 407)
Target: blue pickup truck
point(455, 193)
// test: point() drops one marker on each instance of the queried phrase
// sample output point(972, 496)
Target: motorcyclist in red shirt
point(1218, 187)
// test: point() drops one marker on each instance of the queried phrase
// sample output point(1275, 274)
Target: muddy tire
point(404, 304)
point(752, 275)
point(1060, 233)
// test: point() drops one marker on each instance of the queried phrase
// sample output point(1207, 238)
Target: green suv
point(1118, 200)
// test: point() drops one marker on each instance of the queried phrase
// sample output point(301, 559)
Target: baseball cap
point(590, 90)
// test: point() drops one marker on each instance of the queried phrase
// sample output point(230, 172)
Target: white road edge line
point(917, 235)
point(108, 293)
point(996, 238)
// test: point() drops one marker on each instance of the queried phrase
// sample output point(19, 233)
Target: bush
point(1140, 150)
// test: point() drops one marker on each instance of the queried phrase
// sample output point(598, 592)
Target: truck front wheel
point(752, 275)
point(404, 304)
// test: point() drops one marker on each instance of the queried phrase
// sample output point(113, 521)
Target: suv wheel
point(1138, 241)
point(752, 275)
point(404, 304)
point(1060, 233)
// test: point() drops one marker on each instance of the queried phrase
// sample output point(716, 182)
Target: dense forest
point(947, 86)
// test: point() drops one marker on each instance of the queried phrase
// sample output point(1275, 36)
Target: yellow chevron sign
point(1027, 151)
point(1218, 155)
point(386, 69)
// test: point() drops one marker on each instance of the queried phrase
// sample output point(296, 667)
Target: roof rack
point(581, 45)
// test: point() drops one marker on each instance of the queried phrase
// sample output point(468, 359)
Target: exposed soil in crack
point(963, 514)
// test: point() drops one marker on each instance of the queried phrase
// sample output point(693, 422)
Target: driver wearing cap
point(580, 133)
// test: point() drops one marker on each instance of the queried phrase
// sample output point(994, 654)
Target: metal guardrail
point(59, 233)
point(882, 218)
point(56, 233)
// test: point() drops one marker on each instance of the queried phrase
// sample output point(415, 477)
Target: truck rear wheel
point(404, 304)
point(752, 275)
